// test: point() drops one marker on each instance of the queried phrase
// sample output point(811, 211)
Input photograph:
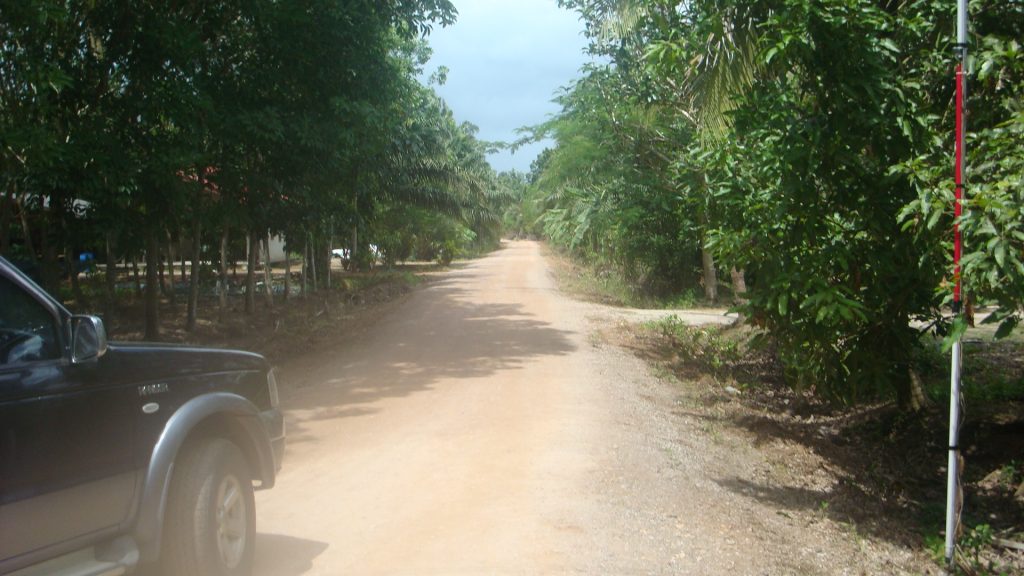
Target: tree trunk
point(739, 284)
point(135, 276)
point(910, 396)
point(305, 266)
point(181, 250)
point(330, 242)
point(172, 254)
point(287, 273)
point(26, 231)
point(353, 250)
point(6, 215)
point(172, 257)
point(223, 296)
point(710, 275)
point(312, 262)
point(268, 273)
point(161, 263)
point(50, 270)
point(739, 293)
point(160, 274)
point(250, 273)
point(326, 259)
point(193, 279)
point(152, 302)
point(111, 275)
point(66, 247)
point(72, 270)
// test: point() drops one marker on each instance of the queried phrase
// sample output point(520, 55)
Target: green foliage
point(993, 220)
point(703, 347)
point(608, 192)
point(971, 552)
point(684, 300)
point(972, 546)
point(598, 282)
point(805, 144)
point(136, 121)
point(361, 282)
point(989, 377)
point(807, 203)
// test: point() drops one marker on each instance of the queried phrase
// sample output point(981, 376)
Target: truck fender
point(246, 419)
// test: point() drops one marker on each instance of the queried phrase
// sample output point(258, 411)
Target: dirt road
point(480, 427)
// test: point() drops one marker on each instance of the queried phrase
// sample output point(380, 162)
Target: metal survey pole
point(954, 496)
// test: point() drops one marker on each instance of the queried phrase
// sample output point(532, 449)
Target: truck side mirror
point(88, 339)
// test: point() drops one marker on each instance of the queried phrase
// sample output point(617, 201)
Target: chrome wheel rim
point(232, 520)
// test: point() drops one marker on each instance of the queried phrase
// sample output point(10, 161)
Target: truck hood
point(151, 361)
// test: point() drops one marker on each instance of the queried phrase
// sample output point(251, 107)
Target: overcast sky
point(506, 60)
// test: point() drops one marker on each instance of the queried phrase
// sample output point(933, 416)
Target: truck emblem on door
point(151, 389)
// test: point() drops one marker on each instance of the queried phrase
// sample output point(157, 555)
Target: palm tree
point(704, 68)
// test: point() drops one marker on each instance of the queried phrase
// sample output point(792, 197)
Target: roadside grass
point(992, 370)
point(705, 347)
point(594, 284)
point(607, 284)
point(357, 282)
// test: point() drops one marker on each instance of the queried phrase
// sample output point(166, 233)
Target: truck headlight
point(272, 387)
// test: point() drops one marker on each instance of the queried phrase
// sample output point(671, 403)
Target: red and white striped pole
point(954, 496)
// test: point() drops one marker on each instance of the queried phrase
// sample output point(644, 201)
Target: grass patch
point(705, 347)
point(992, 371)
point(358, 282)
point(596, 285)
point(608, 284)
point(684, 300)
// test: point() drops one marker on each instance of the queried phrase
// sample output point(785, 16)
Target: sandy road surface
point(482, 427)
point(468, 432)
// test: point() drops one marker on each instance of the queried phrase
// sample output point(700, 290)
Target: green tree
point(807, 144)
point(166, 121)
point(992, 223)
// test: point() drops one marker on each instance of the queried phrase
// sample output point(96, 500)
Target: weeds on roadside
point(688, 299)
point(704, 347)
point(608, 283)
point(354, 283)
point(971, 552)
point(992, 372)
point(592, 282)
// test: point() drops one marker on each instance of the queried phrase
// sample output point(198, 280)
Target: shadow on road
point(440, 333)
point(278, 555)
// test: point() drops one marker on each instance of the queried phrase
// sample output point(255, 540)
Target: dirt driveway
point(481, 426)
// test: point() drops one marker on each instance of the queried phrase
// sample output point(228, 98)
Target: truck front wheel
point(211, 513)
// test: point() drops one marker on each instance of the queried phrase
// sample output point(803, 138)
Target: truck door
point(66, 439)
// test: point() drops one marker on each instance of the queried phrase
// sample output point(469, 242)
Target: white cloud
point(506, 60)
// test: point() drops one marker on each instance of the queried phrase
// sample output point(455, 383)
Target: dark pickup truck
point(123, 457)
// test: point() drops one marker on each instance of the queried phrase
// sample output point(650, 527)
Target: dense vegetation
point(799, 154)
point(142, 130)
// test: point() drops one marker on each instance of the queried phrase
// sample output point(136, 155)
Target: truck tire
point(210, 525)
